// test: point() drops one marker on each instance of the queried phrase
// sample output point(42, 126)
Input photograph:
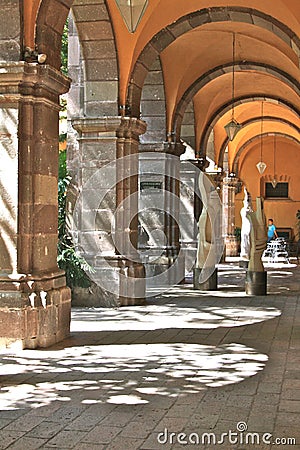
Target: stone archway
point(251, 121)
point(194, 20)
point(36, 301)
point(213, 74)
point(36, 305)
point(235, 164)
point(100, 84)
point(51, 17)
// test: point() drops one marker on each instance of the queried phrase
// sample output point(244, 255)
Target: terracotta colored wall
point(30, 11)
point(287, 166)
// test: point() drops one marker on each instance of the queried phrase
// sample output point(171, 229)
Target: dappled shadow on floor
point(282, 279)
point(143, 355)
point(174, 313)
point(136, 355)
point(121, 374)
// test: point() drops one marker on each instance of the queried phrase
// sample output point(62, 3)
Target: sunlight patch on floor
point(155, 317)
point(128, 374)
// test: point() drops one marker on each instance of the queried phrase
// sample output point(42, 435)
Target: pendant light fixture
point(132, 11)
point(233, 127)
point(274, 180)
point(261, 166)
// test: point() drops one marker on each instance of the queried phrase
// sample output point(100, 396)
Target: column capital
point(171, 148)
point(21, 79)
point(118, 126)
point(174, 148)
point(233, 182)
point(200, 163)
point(157, 147)
point(131, 127)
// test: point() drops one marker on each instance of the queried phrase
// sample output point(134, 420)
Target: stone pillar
point(230, 187)
point(159, 200)
point(34, 300)
point(106, 209)
point(172, 203)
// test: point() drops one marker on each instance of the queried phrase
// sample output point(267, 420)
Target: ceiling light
point(232, 128)
point(261, 166)
point(132, 11)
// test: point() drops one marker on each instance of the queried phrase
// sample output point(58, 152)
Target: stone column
point(159, 200)
point(172, 221)
point(106, 209)
point(34, 300)
point(230, 187)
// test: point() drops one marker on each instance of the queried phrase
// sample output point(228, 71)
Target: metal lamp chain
point(233, 72)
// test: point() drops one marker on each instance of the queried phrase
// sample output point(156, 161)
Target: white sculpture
point(246, 226)
point(258, 236)
point(206, 252)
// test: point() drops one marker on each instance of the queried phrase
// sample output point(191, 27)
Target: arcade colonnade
point(138, 102)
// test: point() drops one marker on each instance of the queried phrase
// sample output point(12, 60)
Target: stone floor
point(188, 363)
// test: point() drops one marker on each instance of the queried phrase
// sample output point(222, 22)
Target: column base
point(117, 281)
point(163, 267)
point(256, 283)
point(38, 317)
point(243, 263)
point(209, 283)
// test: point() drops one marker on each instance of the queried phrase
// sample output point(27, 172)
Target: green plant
point(237, 233)
point(64, 49)
point(74, 265)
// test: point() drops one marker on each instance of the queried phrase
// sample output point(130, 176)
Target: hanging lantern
point(232, 128)
point(274, 183)
point(261, 167)
point(132, 11)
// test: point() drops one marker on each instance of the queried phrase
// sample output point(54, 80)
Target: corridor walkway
point(185, 363)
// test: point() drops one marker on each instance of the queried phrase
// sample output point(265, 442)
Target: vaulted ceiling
point(193, 41)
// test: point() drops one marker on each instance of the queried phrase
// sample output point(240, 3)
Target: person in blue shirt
point(272, 233)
